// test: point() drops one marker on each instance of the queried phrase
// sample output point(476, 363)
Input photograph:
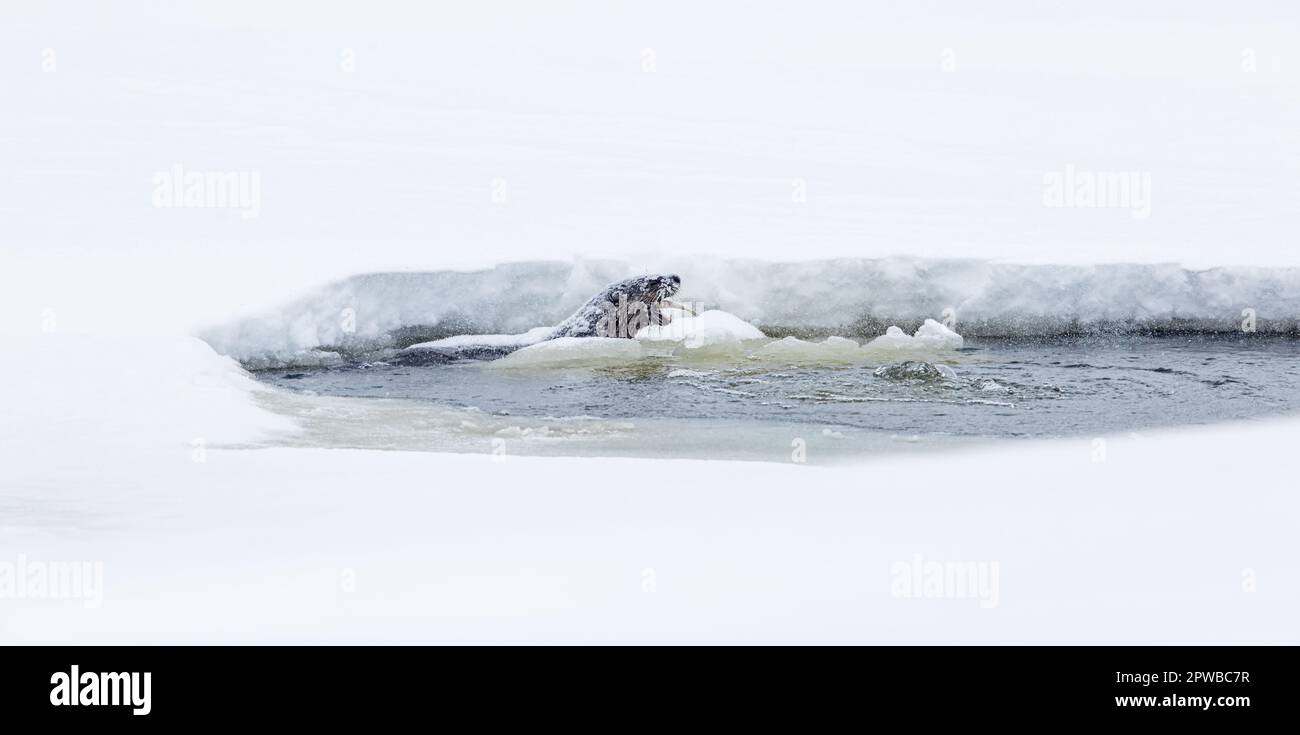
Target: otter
point(618, 310)
point(622, 308)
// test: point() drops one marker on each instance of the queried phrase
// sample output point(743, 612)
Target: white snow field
point(1162, 538)
point(491, 165)
point(426, 136)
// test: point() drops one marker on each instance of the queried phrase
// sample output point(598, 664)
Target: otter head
point(649, 290)
point(637, 302)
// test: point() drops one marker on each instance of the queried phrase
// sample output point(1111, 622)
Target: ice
point(930, 336)
point(99, 465)
point(797, 351)
point(573, 352)
point(712, 327)
point(532, 336)
point(129, 395)
point(684, 373)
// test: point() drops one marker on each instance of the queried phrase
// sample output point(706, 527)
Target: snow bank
point(848, 297)
point(369, 312)
point(73, 395)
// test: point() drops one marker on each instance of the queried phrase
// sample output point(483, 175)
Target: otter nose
point(675, 280)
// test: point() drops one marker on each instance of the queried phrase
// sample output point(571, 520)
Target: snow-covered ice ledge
point(847, 297)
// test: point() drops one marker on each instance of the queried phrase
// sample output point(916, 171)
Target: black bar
point(535, 685)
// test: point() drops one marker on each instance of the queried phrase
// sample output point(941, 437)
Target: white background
point(390, 167)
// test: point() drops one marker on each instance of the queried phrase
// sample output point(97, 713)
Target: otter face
point(658, 288)
point(645, 289)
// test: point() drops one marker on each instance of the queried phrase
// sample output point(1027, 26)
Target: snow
point(556, 144)
point(850, 297)
point(1097, 540)
point(710, 334)
point(487, 169)
point(712, 327)
point(532, 336)
point(69, 397)
point(929, 337)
